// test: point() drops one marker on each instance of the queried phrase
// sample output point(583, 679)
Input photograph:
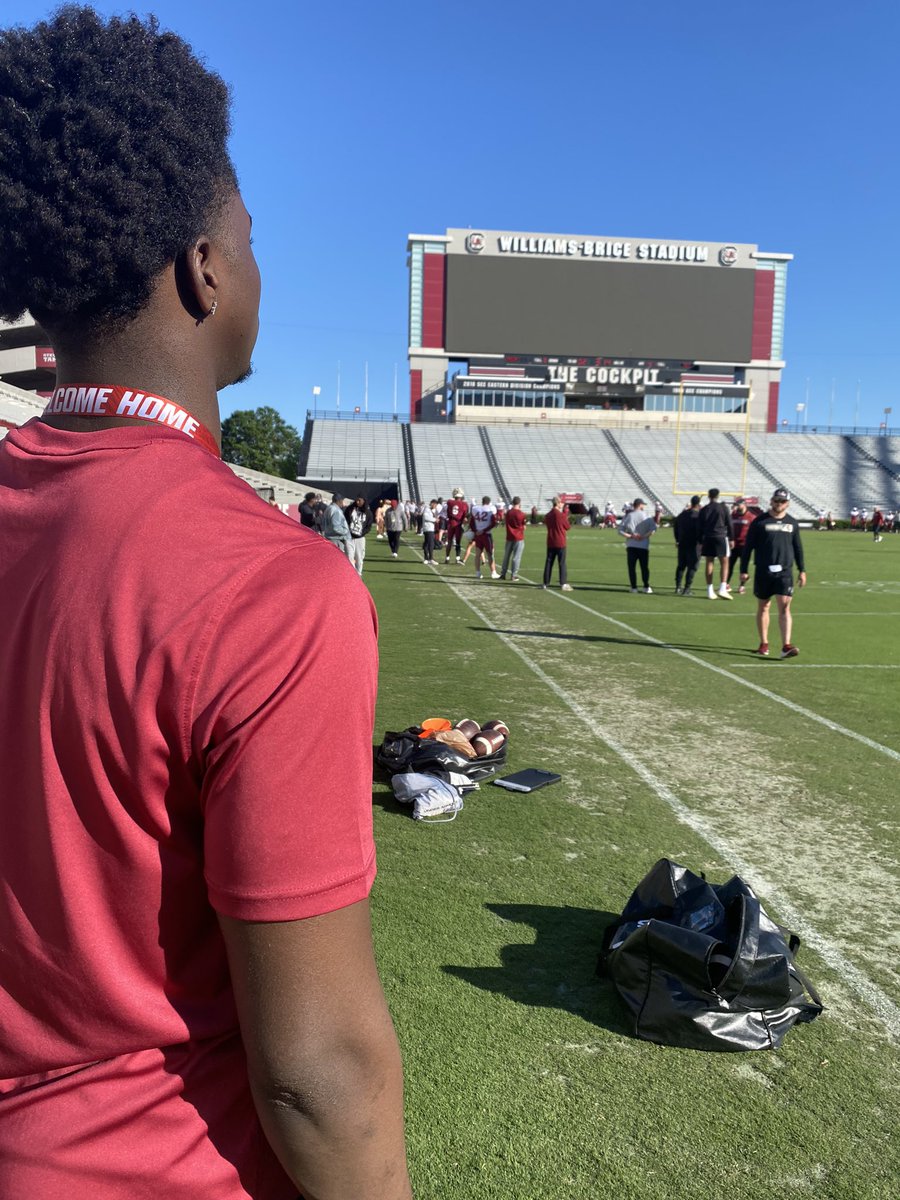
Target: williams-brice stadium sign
point(572, 248)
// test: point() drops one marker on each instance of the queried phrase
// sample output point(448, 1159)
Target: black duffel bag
point(704, 966)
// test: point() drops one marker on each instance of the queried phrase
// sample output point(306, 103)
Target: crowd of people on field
point(723, 537)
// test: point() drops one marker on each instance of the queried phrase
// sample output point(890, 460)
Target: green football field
point(523, 1078)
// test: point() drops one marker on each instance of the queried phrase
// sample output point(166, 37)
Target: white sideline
point(878, 1000)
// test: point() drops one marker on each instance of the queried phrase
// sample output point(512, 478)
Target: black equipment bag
point(406, 751)
point(704, 966)
point(395, 751)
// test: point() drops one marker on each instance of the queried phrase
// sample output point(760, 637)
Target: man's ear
point(197, 278)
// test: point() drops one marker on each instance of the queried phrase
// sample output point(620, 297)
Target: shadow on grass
point(384, 797)
point(388, 801)
point(422, 574)
point(617, 589)
point(558, 970)
point(616, 641)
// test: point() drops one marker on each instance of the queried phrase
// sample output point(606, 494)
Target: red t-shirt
point(740, 523)
point(174, 652)
point(557, 523)
point(515, 525)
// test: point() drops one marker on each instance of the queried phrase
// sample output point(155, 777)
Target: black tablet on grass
point(527, 781)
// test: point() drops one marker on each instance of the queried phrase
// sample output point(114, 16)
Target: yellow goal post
point(745, 451)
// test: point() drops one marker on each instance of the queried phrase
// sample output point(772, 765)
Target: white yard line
point(878, 1000)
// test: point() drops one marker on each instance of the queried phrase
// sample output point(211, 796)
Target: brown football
point(487, 743)
point(467, 727)
point(500, 726)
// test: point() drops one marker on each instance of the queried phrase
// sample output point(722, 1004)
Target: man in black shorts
point(686, 528)
point(717, 533)
point(774, 538)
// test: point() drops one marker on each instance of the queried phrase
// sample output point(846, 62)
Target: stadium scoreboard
point(643, 328)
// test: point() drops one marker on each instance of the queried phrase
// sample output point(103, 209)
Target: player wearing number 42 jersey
point(774, 541)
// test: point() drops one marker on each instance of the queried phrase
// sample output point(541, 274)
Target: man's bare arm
point(322, 1053)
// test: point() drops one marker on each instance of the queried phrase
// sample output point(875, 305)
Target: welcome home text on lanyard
point(87, 400)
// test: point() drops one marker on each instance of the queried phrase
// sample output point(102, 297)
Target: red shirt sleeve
point(284, 711)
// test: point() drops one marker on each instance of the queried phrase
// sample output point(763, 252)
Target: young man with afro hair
point(188, 996)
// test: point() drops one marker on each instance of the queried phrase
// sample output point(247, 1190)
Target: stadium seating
point(704, 460)
point(824, 470)
point(875, 485)
point(356, 450)
point(449, 456)
point(538, 462)
point(17, 406)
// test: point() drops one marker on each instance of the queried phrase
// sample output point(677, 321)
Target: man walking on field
point(717, 533)
point(557, 528)
point(515, 540)
point(741, 520)
point(774, 539)
point(484, 518)
point(637, 529)
point(686, 528)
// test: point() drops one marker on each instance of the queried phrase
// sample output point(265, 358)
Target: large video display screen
point(518, 305)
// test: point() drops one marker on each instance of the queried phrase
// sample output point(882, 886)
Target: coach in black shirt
point(774, 540)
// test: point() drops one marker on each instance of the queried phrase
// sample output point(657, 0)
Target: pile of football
point(474, 740)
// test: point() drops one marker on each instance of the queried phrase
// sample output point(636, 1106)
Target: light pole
point(800, 410)
point(887, 413)
point(317, 391)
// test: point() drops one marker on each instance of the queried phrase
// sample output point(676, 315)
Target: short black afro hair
point(113, 159)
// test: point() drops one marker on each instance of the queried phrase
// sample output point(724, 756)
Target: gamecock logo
point(475, 243)
point(728, 256)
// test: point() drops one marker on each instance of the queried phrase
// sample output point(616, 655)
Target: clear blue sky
point(764, 122)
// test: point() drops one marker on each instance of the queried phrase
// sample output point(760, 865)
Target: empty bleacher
point(17, 407)
point(875, 484)
point(537, 462)
point(355, 450)
point(814, 466)
point(449, 456)
point(704, 460)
